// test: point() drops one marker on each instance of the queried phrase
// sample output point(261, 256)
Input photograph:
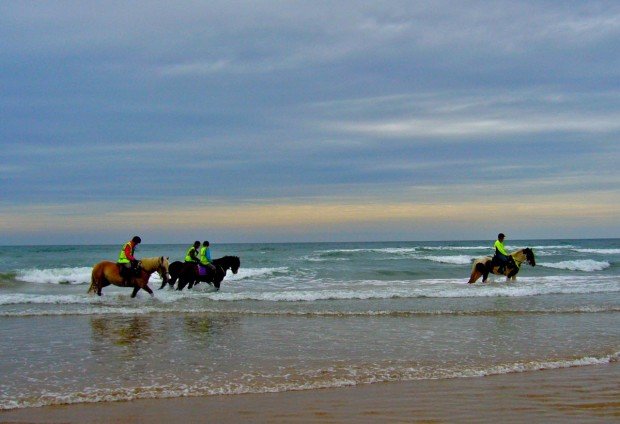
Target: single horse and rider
point(502, 262)
point(128, 271)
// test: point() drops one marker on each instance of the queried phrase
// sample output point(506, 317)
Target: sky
point(277, 121)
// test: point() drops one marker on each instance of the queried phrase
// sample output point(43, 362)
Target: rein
point(518, 262)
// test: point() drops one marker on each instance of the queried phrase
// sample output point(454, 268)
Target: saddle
point(510, 263)
point(134, 271)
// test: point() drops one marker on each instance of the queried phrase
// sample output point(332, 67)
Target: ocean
point(300, 316)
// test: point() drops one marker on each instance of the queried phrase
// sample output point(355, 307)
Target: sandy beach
point(579, 394)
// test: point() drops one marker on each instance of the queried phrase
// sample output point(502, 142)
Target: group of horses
point(186, 274)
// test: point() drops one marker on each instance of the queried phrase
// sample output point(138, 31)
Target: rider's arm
point(128, 253)
point(500, 248)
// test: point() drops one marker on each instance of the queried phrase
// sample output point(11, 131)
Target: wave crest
point(585, 265)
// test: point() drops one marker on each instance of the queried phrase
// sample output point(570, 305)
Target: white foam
point(454, 260)
point(585, 265)
point(247, 273)
point(55, 275)
point(319, 290)
point(458, 248)
point(48, 299)
point(559, 246)
point(600, 251)
point(337, 375)
point(372, 250)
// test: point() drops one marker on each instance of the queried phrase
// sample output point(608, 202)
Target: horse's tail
point(94, 278)
point(478, 270)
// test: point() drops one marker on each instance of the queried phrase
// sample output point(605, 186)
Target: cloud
point(241, 104)
point(477, 127)
point(486, 116)
point(317, 215)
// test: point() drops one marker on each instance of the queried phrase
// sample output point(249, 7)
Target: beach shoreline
point(576, 394)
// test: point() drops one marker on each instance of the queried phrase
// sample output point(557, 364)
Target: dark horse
point(484, 266)
point(188, 275)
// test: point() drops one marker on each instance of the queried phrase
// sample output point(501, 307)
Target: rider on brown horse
point(127, 263)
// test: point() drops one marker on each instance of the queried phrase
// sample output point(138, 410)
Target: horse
point(485, 265)
point(187, 273)
point(106, 273)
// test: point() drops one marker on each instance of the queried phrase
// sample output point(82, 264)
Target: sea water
point(300, 316)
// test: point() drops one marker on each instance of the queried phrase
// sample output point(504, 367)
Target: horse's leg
point(195, 276)
point(173, 280)
point(101, 284)
point(94, 286)
point(148, 290)
point(512, 274)
point(476, 272)
point(135, 291)
point(474, 277)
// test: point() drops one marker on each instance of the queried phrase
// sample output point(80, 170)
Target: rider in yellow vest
point(205, 256)
point(128, 263)
point(191, 255)
point(502, 258)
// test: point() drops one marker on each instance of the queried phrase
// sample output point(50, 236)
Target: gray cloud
point(236, 100)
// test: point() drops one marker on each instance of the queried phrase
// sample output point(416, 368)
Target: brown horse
point(106, 273)
point(485, 265)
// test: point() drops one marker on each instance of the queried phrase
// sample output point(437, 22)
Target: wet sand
point(580, 394)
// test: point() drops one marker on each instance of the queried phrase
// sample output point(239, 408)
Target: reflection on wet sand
point(121, 331)
point(209, 325)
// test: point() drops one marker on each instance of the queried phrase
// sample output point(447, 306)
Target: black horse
point(187, 273)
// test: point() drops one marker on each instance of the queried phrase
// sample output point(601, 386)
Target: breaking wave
point(585, 265)
point(290, 379)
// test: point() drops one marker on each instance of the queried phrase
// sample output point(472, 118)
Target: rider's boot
point(125, 276)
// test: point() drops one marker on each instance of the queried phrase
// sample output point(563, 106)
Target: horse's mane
point(226, 259)
point(151, 263)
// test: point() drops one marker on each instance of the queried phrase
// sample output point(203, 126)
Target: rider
point(205, 256)
point(191, 256)
point(128, 263)
point(501, 257)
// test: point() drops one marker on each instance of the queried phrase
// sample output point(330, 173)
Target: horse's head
point(234, 263)
point(529, 256)
point(162, 270)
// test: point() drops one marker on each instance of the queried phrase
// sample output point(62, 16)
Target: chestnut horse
point(485, 265)
point(106, 273)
